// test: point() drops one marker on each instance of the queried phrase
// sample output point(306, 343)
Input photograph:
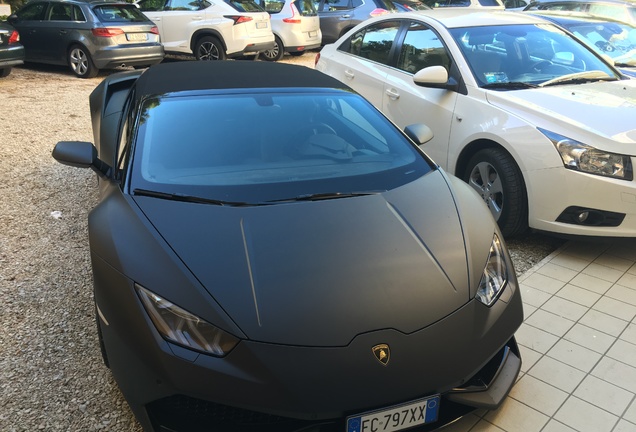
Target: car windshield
point(617, 40)
point(260, 146)
point(536, 54)
point(119, 13)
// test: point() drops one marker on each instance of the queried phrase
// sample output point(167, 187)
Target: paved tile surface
point(578, 345)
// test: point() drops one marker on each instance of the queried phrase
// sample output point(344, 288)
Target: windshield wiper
point(189, 198)
point(579, 78)
point(323, 196)
point(514, 85)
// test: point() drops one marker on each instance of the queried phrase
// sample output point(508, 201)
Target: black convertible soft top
point(229, 74)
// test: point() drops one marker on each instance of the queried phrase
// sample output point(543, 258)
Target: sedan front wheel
point(497, 179)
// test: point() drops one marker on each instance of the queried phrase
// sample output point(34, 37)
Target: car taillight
point(238, 19)
point(14, 38)
point(316, 59)
point(107, 31)
point(378, 11)
point(154, 30)
point(294, 19)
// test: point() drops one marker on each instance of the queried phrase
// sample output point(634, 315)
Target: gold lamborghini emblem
point(382, 353)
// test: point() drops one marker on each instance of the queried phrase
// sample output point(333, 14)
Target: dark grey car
point(87, 35)
point(324, 276)
point(11, 50)
point(339, 16)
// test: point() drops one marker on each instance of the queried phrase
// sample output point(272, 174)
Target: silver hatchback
point(87, 35)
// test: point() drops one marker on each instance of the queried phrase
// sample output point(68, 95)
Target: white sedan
point(543, 128)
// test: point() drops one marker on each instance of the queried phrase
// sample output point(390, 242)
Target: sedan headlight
point(495, 275)
point(585, 158)
point(183, 328)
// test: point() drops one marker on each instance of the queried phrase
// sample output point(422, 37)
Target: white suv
point(211, 30)
point(296, 27)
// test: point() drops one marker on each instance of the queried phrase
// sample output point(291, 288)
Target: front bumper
point(552, 191)
point(259, 387)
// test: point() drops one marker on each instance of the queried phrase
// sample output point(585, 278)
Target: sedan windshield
point(532, 54)
point(260, 147)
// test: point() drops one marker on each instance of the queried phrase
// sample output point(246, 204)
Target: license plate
point(396, 418)
point(261, 25)
point(136, 36)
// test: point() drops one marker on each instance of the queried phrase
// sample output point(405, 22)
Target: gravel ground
point(51, 374)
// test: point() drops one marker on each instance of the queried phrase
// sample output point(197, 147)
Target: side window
point(78, 15)
point(32, 12)
point(335, 5)
point(422, 48)
point(184, 5)
point(60, 12)
point(375, 41)
point(609, 11)
point(152, 5)
point(272, 6)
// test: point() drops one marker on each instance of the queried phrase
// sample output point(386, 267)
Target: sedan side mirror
point(419, 132)
point(80, 154)
point(435, 77)
point(13, 18)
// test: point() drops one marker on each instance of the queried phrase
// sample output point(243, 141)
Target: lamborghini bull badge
point(382, 353)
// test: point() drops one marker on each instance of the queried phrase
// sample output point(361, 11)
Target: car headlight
point(585, 158)
point(183, 328)
point(495, 275)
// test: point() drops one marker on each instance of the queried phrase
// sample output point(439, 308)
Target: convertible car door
point(406, 103)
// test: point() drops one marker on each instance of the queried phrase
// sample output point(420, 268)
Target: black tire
point(497, 179)
point(4, 72)
point(209, 48)
point(81, 63)
point(275, 53)
point(102, 347)
point(296, 53)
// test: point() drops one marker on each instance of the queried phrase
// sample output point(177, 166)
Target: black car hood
point(319, 273)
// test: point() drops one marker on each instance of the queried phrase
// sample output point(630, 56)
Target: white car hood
point(603, 111)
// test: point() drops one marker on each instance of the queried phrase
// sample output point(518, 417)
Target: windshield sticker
point(495, 77)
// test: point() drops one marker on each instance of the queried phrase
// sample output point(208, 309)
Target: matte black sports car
point(271, 253)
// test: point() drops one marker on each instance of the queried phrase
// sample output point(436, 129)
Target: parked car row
point(202, 322)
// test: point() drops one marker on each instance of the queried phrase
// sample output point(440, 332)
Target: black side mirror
point(80, 154)
point(13, 18)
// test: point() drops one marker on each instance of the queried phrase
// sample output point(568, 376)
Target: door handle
point(197, 18)
point(346, 16)
point(393, 94)
point(349, 74)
